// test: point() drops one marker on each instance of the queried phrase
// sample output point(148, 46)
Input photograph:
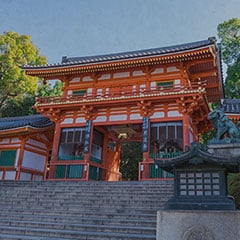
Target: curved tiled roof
point(231, 106)
point(127, 55)
point(35, 121)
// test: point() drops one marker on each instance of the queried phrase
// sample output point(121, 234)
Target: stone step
point(84, 203)
point(79, 227)
point(81, 210)
point(24, 237)
point(99, 220)
point(84, 214)
point(73, 234)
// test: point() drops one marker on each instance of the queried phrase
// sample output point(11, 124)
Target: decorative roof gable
point(34, 121)
point(197, 155)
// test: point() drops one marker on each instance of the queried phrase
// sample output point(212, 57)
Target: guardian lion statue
point(225, 128)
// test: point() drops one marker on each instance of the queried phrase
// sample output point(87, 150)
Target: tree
point(232, 83)
point(15, 86)
point(23, 107)
point(131, 155)
point(46, 90)
point(229, 34)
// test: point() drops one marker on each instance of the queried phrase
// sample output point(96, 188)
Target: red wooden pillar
point(46, 162)
point(186, 130)
point(144, 168)
point(88, 146)
point(56, 140)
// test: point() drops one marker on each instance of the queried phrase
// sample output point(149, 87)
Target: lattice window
point(7, 158)
point(199, 184)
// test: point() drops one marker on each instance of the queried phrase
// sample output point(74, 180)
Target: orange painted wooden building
point(25, 145)
point(159, 97)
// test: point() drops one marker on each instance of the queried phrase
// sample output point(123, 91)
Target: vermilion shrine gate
point(159, 97)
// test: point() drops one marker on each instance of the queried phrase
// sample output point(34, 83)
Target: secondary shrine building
point(159, 97)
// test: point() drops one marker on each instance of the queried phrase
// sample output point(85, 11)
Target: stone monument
point(200, 207)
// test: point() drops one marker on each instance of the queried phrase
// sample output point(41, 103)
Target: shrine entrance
point(124, 151)
point(130, 157)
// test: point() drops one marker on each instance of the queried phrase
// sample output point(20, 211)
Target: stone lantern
point(200, 179)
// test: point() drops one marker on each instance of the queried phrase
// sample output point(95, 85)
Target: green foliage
point(229, 34)
point(15, 51)
point(46, 90)
point(207, 136)
point(234, 187)
point(22, 107)
point(232, 83)
point(131, 155)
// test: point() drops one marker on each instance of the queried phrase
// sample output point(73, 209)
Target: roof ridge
point(126, 55)
point(16, 118)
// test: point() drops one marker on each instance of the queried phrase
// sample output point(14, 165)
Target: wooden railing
point(177, 89)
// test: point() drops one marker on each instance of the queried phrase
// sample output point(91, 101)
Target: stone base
point(198, 224)
point(230, 149)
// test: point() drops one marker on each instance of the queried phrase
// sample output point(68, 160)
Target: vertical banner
point(145, 126)
point(87, 136)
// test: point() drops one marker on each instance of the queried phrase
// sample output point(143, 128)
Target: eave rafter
point(56, 71)
point(54, 114)
point(192, 104)
point(89, 111)
point(146, 109)
point(205, 74)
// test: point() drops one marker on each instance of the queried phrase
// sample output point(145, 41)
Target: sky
point(76, 28)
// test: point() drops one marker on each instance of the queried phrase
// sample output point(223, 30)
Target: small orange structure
point(25, 144)
point(159, 97)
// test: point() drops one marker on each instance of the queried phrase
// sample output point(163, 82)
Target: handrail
point(123, 94)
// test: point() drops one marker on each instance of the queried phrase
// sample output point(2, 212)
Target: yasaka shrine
point(159, 97)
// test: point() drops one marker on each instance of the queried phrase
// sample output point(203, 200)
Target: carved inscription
point(198, 233)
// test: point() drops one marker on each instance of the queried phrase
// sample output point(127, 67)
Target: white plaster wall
point(10, 175)
point(76, 79)
point(67, 120)
point(153, 85)
point(37, 177)
point(89, 91)
point(118, 117)
point(5, 141)
point(100, 119)
point(25, 176)
point(33, 161)
point(172, 69)
point(174, 114)
point(80, 120)
point(135, 116)
point(87, 79)
point(36, 143)
point(158, 70)
point(138, 73)
point(158, 115)
point(16, 140)
point(105, 76)
point(96, 151)
point(121, 74)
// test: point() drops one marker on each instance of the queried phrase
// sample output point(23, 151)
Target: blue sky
point(89, 27)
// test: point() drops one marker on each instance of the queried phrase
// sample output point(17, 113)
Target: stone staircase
point(54, 210)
